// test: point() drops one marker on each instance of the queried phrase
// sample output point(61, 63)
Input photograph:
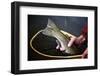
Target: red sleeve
point(84, 31)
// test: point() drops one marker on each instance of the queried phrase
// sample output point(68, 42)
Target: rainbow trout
point(53, 31)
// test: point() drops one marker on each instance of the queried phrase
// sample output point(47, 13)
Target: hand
point(85, 53)
point(59, 46)
point(69, 44)
point(77, 40)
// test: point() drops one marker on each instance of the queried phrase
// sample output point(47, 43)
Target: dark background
point(46, 44)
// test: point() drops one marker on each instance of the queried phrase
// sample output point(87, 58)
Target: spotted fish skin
point(53, 31)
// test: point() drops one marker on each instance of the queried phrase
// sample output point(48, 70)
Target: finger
point(58, 47)
point(62, 49)
point(85, 53)
point(71, 42)
point(58, 44)
point(81, 41)
point(83, 56)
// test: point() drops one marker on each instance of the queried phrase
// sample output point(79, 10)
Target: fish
point(52, 30)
